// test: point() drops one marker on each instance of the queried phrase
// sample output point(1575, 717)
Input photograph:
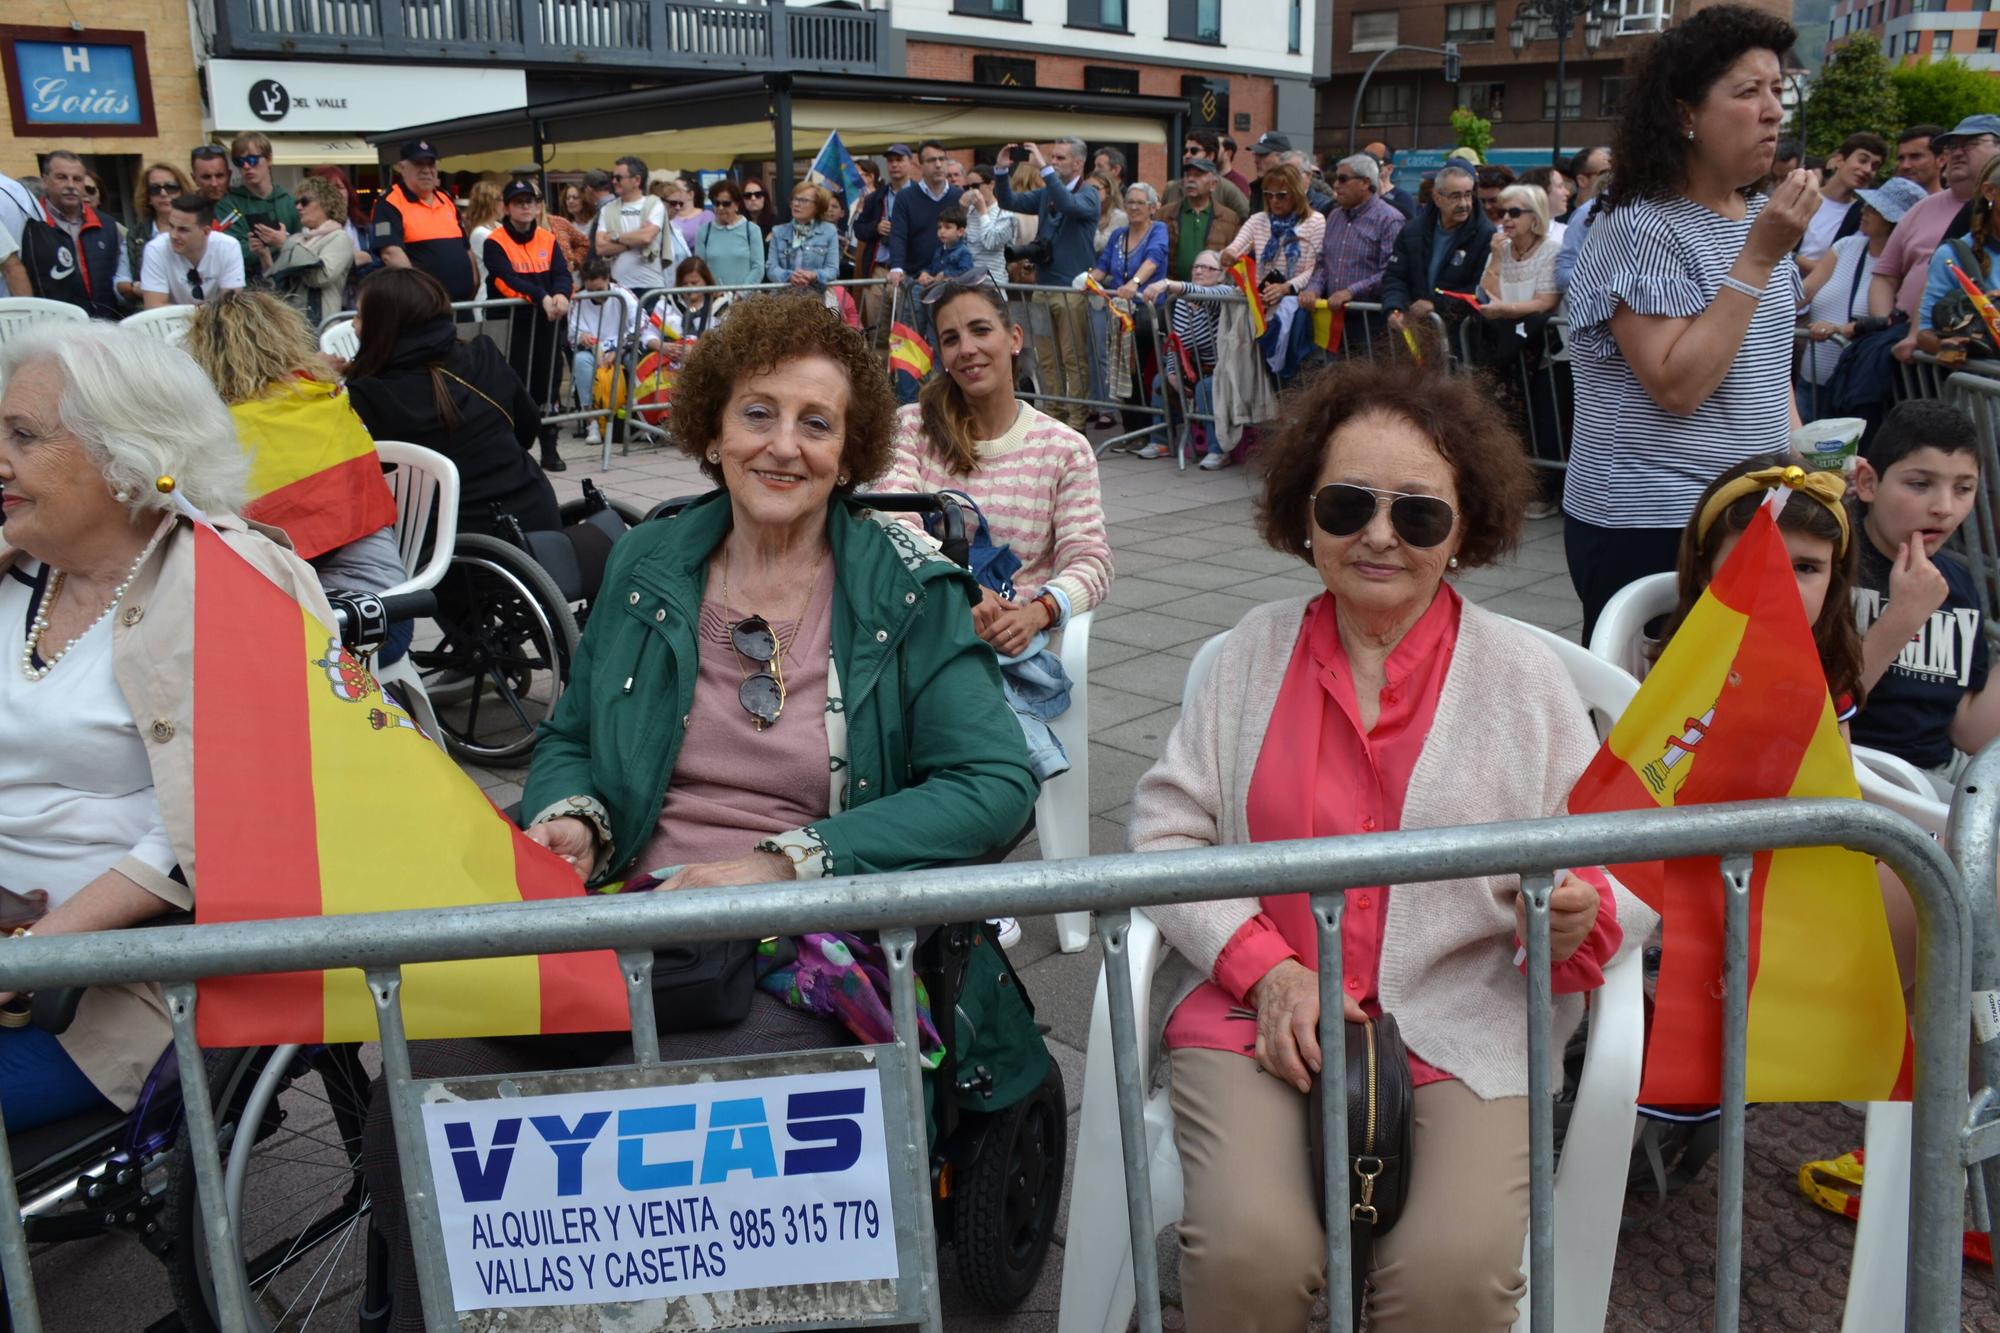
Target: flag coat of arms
point(1736, 709)
point(316, 796)
point(909, 351)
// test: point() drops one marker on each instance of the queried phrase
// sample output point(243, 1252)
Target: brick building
point(1409, 104)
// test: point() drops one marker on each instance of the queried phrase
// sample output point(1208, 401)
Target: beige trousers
point(1253, 1253)
point(1065, 355)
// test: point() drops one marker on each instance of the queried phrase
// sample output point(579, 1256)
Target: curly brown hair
point(1458, 413)
point(763, 333)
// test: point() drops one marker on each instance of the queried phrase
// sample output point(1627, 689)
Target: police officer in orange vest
point(523, 261)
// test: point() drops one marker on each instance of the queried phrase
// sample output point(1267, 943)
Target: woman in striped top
point(1033, 477)
point(1683, 299)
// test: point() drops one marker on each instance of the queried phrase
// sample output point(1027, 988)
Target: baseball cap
point(1893, 197)
point(518, 190)
point(1968, 128)
point(898, 150)
point(1272, 142)
point(1201, 164)
point(418, 150)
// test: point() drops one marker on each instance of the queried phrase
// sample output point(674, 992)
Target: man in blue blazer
point(1065, 243)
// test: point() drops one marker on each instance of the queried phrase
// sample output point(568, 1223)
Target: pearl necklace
point(40, 625)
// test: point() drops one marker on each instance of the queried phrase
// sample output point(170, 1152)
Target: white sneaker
point(1153, 450)
point(1007, 931)
point(1540, 509)
point(592, 437)
point(1214, 462)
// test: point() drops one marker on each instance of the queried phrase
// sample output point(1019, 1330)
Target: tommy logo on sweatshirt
point(1941, 651)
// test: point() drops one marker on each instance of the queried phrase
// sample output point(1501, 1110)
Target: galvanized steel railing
point(383, 943)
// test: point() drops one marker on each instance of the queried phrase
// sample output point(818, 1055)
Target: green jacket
point(937, 768)
point(280, 209)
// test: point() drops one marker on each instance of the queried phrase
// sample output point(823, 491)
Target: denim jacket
point(819, 251)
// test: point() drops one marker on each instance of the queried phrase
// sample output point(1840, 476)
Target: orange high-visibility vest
point(435, 221)
point(537, 255)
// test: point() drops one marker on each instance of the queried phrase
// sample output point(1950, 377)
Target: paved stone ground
point(1188, 565)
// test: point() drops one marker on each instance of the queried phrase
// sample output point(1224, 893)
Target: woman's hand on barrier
point(1572, 913)
point(1128, 291)
point(803, 277)
point(756, 868)
point(571, 839)
point(1155, 291)
point(1779, 228)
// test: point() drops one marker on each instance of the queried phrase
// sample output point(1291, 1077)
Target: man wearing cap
point(523, 262)
point(417, 226)
point(257, 212)
point(1361, 232)
point(1386, 188)
point(1264, 153)
point(1197, 219)
point(1898, 280)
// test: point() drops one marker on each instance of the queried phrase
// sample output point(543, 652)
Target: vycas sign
point(319, 97)
point(91, 83)
point(638, 1193)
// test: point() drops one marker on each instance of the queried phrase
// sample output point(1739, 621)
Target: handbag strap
point(505, 414)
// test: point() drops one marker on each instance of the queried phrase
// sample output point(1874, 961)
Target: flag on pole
point(909, 351)
point(834, 168)
point(1244, 272)
point(1735, 710)
point(314, 472)
point(316, 796)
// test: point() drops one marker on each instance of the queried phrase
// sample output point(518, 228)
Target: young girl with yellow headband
point(1819, 538)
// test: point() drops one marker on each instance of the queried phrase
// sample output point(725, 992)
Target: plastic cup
point(1830, 445)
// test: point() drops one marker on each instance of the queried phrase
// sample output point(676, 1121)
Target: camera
point(1039, 252)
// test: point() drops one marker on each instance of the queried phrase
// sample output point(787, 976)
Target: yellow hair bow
point(1825, 487)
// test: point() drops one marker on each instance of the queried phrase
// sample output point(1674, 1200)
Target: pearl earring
point(841, 480)
point(1309, 542)
point(122, 496)
point(714, 455)
point(1454, 562)
point(1690, 135)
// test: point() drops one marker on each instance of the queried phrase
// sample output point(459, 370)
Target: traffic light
point(1451, 62)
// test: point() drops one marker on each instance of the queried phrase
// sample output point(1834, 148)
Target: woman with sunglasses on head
point(1683, 301)
point(1384, 702)
point(159, 185)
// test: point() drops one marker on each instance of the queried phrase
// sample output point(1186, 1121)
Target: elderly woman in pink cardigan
point(1385, 702)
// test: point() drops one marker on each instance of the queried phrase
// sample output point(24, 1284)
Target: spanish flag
point(1328, 326)
point(1737, 710)
point(313, 467)
point(316, 796)
point(909, 351)
point(1244, 273)
point(1121, 317)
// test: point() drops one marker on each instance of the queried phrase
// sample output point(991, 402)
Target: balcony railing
point(699, 34)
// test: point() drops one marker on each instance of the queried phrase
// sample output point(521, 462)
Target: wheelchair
point(508, 625)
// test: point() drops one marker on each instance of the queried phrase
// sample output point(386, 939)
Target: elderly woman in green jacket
point(774, 684)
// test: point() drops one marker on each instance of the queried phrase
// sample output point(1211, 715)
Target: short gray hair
point(1078, 149)
point(143, 410)
point(1151, 195)
point(1364, 166)
point(1455, 169)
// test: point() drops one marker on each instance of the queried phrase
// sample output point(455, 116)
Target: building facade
point(1915, 30)
point(1408, 103)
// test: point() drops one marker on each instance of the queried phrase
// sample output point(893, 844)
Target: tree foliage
point(1473, 131)
point(1856, 91)
point(1944, 92)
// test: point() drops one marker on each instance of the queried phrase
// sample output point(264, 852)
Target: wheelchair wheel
point(501, 657)
point(1005, 1212)
point(291, 1124)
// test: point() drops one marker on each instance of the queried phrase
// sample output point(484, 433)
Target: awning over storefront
point(317, 150)
point(710, 125)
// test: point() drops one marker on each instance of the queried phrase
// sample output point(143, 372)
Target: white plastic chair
point(1097, 1288)
point(425, 484)
point(168, 323)
point(340, 340)
point(1620, 634)
point(21, 312)
point(1062, 811)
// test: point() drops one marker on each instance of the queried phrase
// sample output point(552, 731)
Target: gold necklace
point(784, 648)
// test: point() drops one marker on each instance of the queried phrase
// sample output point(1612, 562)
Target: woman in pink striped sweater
point(1033, 477)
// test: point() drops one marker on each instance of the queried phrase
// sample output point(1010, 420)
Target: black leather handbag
point(698, 986)
point(1379, 1113)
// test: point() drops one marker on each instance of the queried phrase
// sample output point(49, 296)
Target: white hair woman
point(96, 696)
point(1520, 278)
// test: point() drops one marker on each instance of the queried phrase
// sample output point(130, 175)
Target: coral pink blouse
point(1321, 774)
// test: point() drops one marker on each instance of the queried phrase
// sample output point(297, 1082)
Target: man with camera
point(1068, 207)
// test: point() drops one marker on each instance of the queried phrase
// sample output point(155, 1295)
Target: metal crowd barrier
point(1538, 383)
point(383, 943)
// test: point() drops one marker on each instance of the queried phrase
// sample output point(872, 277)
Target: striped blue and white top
point(1632, 463)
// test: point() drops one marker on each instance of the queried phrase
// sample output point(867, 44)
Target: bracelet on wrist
point(1736, 284)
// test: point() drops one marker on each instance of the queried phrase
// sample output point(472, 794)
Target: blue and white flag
point(834, 168)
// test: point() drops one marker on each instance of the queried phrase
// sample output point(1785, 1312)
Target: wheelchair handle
point(363, 618)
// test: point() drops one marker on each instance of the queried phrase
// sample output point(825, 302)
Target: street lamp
point(1562, 17)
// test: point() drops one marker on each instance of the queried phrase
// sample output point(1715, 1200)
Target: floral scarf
point(1284, 235)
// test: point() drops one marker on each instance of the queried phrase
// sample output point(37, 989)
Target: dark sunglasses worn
point(1341, 510)
point(249, 159)
point(753, 194)
point(1511, 212)
point(762, 693)
point(163, 187)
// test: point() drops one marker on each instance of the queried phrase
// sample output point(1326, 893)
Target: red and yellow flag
point(1982, 304)
point(1096, 288)
point(909, 351)
point(313, 467)
point(1244, 273)
point(1328, 326)
point(1737, 710)
point(316, 796)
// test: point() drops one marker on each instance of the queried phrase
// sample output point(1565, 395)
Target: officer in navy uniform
point(73, 253)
